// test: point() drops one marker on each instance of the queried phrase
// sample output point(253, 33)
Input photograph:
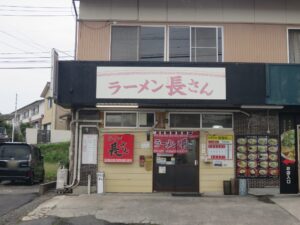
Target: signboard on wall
point(118, 148)
point(89, 148)
point(257, 156)
point(161, 83)
point(172, 142)
point(220, 147)
point(288, 162)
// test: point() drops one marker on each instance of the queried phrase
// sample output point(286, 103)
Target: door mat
point(187, 194)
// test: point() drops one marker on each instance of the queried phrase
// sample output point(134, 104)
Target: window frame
point(186, 113)
point(217, 49)
point(137, 125)
point(201, 120)
point(166, 57)
point(138, 38)
point(220, 113)
point(288, 42)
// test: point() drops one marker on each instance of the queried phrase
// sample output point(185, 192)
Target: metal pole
point(15, 120)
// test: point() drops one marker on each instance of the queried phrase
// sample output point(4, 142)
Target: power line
point(31, 10)
point(26, 6)
point(26, 67)
point(34, 57)
point(11, 46)
point(20, 39)
point(28, 61)
point(21, 53)
point(33, 15)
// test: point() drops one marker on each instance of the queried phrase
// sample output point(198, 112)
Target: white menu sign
point(89, 148)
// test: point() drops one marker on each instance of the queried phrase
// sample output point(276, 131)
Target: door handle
point(196, 162)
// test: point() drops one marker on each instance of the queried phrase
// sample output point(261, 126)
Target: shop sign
point(288, 163)
point(161, 83)
point(118, 148)
point(220, 147)
point(172, 142)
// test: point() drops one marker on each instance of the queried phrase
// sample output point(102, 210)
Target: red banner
point(173, 141)
point(118, 148)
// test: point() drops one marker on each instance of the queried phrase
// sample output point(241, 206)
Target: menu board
point(257, 156)
point(219, 147)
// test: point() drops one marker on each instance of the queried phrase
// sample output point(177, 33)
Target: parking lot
point(17, 199)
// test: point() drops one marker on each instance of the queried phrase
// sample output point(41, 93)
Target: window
point(129, 119)
point(146, 43)
point(49, 103)
point(35, 110)
point(217, 121)
point(151, 44)
point(197, 120)
point(132, 43)
point(120, 120)
point(26, 114)
point(146, 119)
point(196, 44)
point(294, 46)
point(179, 44)
point(185, 120)
point(206, 44)
point(124, 42)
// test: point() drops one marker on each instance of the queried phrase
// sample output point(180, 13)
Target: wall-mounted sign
point(172, 142)
point(89, 148)
point(288, 160)
point(118, 148)
point(220, 147)
point(161, 83)
point(257, 156)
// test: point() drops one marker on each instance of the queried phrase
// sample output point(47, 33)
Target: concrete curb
point(44, 188)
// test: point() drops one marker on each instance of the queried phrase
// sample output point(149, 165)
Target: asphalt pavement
point(165, 209)
point(16, 200)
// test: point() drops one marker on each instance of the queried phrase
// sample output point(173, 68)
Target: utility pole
point(15, 120)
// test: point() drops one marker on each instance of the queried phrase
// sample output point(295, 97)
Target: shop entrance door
point(178, 172)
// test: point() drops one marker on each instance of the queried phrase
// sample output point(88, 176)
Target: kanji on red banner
point(118, 148)
point(172, 142)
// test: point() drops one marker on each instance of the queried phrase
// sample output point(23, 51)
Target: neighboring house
point(180, 96)
point(55, 116)
point(55, 123)
point(32, 114)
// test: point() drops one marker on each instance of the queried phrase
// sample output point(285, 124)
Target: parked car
point(21, 161)
point(3, 135)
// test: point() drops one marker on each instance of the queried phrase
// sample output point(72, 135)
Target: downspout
point(76, 29)
point(75, 147)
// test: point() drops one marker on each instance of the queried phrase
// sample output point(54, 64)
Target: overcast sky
point(27, 35)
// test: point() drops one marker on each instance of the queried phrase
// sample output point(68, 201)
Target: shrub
point(56, 153)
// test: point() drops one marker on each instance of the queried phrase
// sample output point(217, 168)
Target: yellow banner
point(220, 137)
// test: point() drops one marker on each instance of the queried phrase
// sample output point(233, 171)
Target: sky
point(29, 29)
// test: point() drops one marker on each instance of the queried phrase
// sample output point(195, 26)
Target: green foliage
point(50, 171)
point(56, 153)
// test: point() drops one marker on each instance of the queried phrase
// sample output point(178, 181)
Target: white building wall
point(231, 11)
point(31, 135)
point(60, 136)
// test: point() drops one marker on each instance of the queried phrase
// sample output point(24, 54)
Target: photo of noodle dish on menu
point(288, 146)
point(257, 156)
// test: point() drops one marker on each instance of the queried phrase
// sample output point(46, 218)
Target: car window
point(17, 152)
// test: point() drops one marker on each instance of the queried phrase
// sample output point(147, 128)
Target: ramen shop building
point(177, 96)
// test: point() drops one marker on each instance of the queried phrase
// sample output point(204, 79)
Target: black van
point(21, 161)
